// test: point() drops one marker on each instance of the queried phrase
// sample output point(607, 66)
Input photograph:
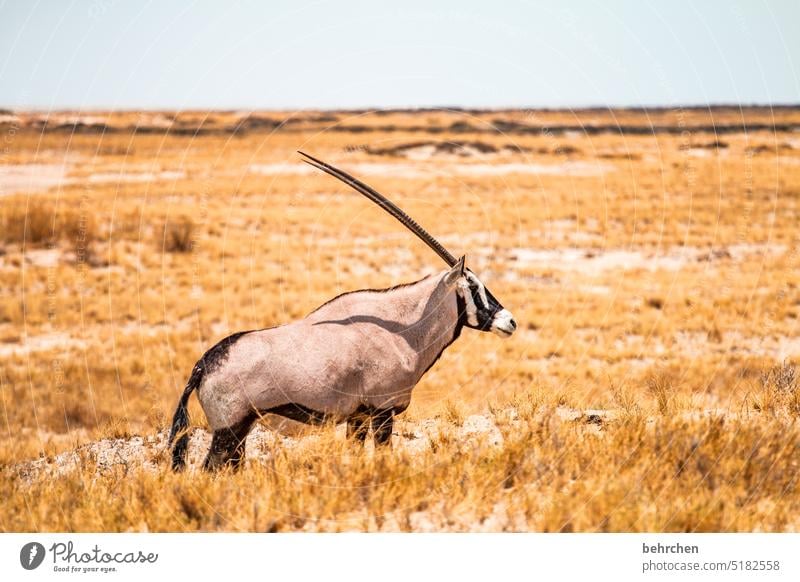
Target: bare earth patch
point(596, 261)
point(134, 177)
point(30, 177)
point(428, 171)
point(41, 343)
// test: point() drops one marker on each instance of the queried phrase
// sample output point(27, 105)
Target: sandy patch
point(45, 258)
point(426, 171)
point(143, 329)
point(592, 262)
point(746, 250)
point(119, 177)
point(37, 177)
point(638, 353)
point(30, 177)
point(282, 168)
point(693, 344)
point(595, 289)
point(72, 118)
point(595, 262)
point(158, 120)
point(776, 347)
point(40, 343)
point(424, 153)
point(570, 168)
point(568, 231)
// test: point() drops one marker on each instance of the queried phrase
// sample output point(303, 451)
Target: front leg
point(358, 424)
point(357, 427)
point(382, 426)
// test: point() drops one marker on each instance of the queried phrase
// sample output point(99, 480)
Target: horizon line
point(421, 108)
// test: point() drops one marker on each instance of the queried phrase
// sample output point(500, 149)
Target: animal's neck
point(436, 322)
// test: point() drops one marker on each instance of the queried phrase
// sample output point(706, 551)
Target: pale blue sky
point(296, 55)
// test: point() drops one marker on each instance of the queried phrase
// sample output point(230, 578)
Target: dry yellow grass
point(655, 279)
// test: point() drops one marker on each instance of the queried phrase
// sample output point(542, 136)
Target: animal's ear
point(455, 272)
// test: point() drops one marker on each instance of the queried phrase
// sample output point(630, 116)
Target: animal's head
point(477, 307)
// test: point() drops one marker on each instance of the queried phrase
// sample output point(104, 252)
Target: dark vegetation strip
point(331, 123)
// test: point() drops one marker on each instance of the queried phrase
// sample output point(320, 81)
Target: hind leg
point(358, 425)
point(227, 446)
point(382, 426)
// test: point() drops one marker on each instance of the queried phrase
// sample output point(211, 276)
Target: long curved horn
point(384, 203)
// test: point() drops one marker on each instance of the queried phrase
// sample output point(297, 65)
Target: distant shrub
point(778, 390)
point(178, 235)
point(662, 384)
point(782, 378)
point(45, 222)
point(655, 303)
point(31, 223)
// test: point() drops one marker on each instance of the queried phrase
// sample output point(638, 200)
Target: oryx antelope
point(354, 359)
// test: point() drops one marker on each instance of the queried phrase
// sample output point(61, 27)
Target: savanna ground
point(650, 258)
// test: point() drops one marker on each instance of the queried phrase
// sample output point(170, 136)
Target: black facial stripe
point(475, 290)
point(486, 306)
point(477, 299)
point(492, 300)
point(299, 413)
point(461, 306)
point(492, 306)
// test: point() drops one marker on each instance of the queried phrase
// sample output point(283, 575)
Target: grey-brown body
point(366, 349)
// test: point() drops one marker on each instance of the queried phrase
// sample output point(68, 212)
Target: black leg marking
point(297, 412)
point(228, 445)
point(382, 425)
point(358, 424)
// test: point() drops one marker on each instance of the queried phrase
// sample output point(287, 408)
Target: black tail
point(180, 421)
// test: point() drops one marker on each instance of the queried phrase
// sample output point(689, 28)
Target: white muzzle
point(503, 323)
